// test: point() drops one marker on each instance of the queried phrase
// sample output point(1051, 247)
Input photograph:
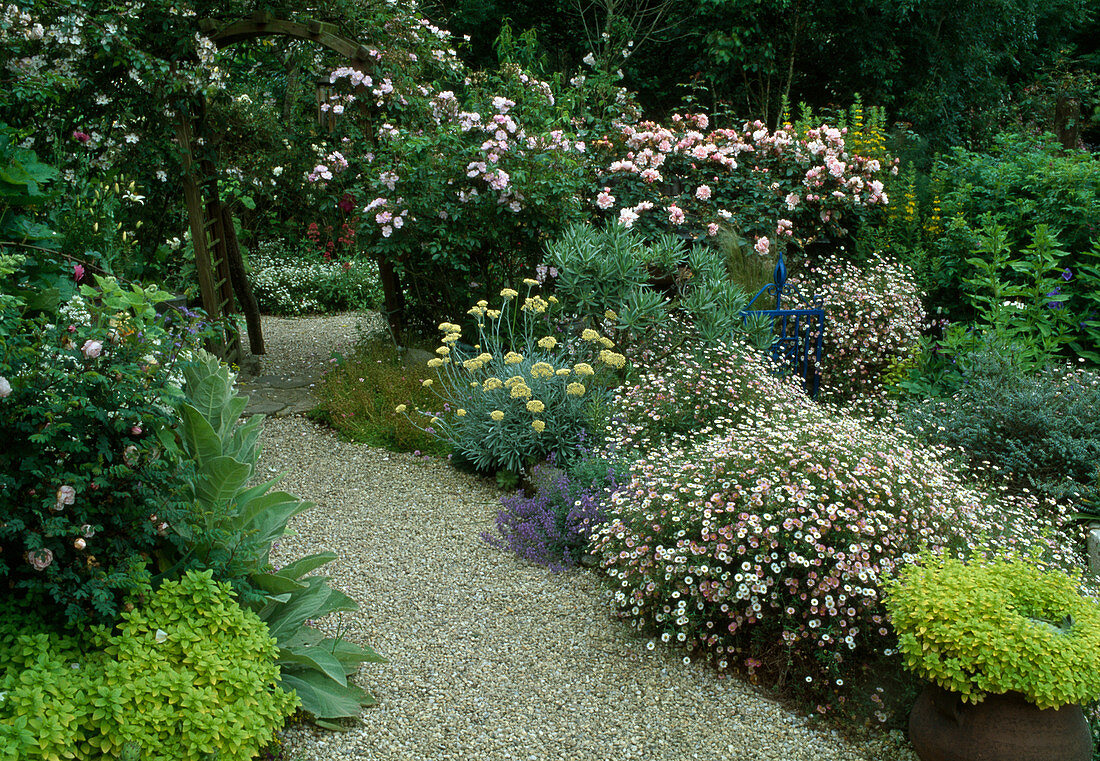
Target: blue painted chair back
point(799, 328)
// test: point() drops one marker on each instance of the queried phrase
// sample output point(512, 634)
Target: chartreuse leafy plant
point(188, 675)
point(996, 625)
point(231, 531)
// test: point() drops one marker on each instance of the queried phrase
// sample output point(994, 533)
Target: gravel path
point(491, 658)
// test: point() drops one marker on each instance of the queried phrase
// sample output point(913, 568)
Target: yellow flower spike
point(460, 412)
point(508, 293)
point(575, 389)
point(496, 415)
point(583, 368)
point(512, 358)
point(589, 335)
point(548, 343)
point(538, 425)
point(536, 406)
point(530, 282)
point(400, 409)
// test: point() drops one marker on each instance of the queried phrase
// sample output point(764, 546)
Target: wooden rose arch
point(218, 260)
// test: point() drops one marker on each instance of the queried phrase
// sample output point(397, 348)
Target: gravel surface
point(489, 657)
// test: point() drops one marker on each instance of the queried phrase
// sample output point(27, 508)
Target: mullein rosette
point(522, 392)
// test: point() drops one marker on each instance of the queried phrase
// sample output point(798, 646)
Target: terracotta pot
point(1000, 728)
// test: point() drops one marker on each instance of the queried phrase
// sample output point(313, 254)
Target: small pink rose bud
point(136, 430)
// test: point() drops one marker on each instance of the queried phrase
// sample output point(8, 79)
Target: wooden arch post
point(217, 256)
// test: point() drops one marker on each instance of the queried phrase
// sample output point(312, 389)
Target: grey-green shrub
point(1041, 428)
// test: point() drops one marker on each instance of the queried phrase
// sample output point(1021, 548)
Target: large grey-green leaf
point(221, 479)
point(325, 698)
point(199, 436)
point(302, 566)
point(275, 583)
point(351, 654)
point(312, 658)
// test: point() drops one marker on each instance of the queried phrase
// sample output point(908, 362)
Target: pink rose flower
point(66, 495)
point(763, 245)
point(92, 349)
point(40, 559)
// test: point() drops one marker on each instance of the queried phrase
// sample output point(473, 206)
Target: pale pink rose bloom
point(675, 215)
point(702, 192)
point(712, 229)
point(627, 218)
point(40, 559)
point(66, 495)
point(5, 387)
point(763, 245)
point(92, 349)
point(605, 200)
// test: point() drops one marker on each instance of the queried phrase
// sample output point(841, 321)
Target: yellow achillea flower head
point(536, 406)
point(496, 415)
point(530, 282)
point(472, 364)
point(542, 370)
point(575, 389)
point(493, 313)
point(444, 350)
point(400, 409)
point(485, 357)
point(460, 412)
point(521, 391)
point(609, 314)
point(553, 299)
point(435, 362)
point(583, 368)
point(607, 343)
point(562, 372)
point(511, 382)
point(426, 383)
point(535, 304)
point(618, 361)
point(450, 338)
point(548, 342)
point(508, 293)
point(483, 303)
point(590, 335)
point(492, 384)
point(511, 358)
point(538, 425)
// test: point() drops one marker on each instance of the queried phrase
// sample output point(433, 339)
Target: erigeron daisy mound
point(761, 525)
